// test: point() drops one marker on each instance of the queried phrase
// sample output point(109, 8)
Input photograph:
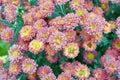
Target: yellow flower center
point(103, 6)
point(58, 40)
point(71, 49)
point(15, 53)
point(14, 1)
point(118, 44)
point(80, 12)
point(26, 32)
point(76, 3)
point(59, 22)
point(28, 66)
point(6, 35)
point(38, 26)
point(82, 72)
point(44, 35)
point(89, 44)
point(93, 26)
point(14, 68)
point(70, 20)
point(90, 56)
point(37, 44)
point(112, 25)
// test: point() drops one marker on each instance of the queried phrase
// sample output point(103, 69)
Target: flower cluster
point(74, 36)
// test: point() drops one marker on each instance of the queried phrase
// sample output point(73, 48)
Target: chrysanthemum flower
point(4, 74)
point(75, 4)
point(99, 74)
point(71, 50)
point(64, 76)
point(36, 46)
point(89, 56)
point(11, 16)
point(23, 44)
point(67, 67)
point(57, 40)
point(88, 5)
point(9, 8)
point(107, 28)
point(57, 22)
point(112, 24)
point(105, 7)
point(111, 66)
point(43, 71)
point(94, 24)
point(118, 32)
point(51, 58)
point(48, 8)
point(15, 68)
point(118, 22)
point(89, 45)
point(81, 71)
point(60, 2)
point(81, 12)
point(98, 11)
point(27, 33)
point(71, 21)
point(15, 53)
point(29, 66)
point(16, 2)
point(112, 52)
point(43, 34)
point(28, 18)
point(31, 76)
point(49, 50)
point(70, 35)
point(49, 76)
point(7, 35)
point(116, 44)
point(39, 24)
point(104, 1)
point(104, 58)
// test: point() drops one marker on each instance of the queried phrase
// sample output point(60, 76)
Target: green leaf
point(96, 2)
point(22, 76)
point(6, 65)
point(6, 23)
point(33, 2)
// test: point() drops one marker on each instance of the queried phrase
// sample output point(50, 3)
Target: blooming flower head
point(71, 50)
point(15, 53)
point(48, 8)
point(9, 8)
point(71, 21)
point(98, 10)
point(43, 34)
point(118, 22)
point(89, 5)
point(81, 71)
point(28, 18)
point(89, 56)
point(116, 44)
point(118, 32)
point(99, 74)
point(57, 22)
point(104, 1)
point(49, 76)
point(43, 71)
point(29, 66)
point(89, 45)
point(27, 33)
point(75, 4)
point(39, 24)
point(60, 2)
point(7, 35)
point(4, 74)
point(15, 2)
point(14, 68)
point(36, 46)
point(51, 58)
point(70, 35)
point(67, 67)
point(81, 12)
point(49, 50)
point(107, 28)
point(11, 16)
point(112, 52)
point(31, 76)
point(105, 7)
point(64, 76)
point(111, 66)
point(57, 40)
point(94, 24)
